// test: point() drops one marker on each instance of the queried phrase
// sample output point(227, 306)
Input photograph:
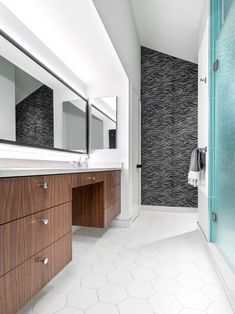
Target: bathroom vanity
point(36, 217)
point(39, 109)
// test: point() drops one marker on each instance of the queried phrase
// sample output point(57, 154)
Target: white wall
point(120, 88)
point(12, 26)
point(118, 20)
point(203, 117)
point(7, 100)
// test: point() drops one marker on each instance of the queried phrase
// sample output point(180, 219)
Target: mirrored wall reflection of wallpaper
point(35, 120)
point(169, 96)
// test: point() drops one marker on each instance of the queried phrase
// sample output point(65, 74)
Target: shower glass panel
point(223, 128)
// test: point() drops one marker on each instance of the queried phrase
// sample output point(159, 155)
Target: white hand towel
point(197, 164)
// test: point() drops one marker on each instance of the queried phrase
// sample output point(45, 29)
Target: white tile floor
point(158, 266)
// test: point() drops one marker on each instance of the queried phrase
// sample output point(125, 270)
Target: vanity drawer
point(48, 191)
point(18, 286)
point(111, 195)
point(112, 178)
point(24, 196)
point(92, 177)
point(13, 200)
point(59, 223)
point(111, 212)
point(82, 179)
point(23, 238)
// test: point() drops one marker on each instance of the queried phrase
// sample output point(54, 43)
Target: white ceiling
point(72, 30)
point(169, 26)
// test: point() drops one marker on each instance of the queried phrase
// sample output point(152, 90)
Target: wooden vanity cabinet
point(96, 204)
point(36, 216)
point(26, 195)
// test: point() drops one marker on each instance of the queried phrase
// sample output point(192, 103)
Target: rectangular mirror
point(37, 109)
point(103, 123)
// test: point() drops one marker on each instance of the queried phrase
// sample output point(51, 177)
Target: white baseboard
point(121, 223)
point(225, 274)
point(202, 231)
point(169, 209)
point(75, 228)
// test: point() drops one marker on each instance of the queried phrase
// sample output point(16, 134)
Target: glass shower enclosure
point(222, 124)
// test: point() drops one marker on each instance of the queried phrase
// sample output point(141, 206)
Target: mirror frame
point(33, 58)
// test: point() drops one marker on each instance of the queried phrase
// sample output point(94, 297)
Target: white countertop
point(23, 172)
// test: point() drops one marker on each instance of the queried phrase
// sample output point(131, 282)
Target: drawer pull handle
point(44, 221)
point(44, 185)
point(45, 260)
point(112, 190)
point(92, 178)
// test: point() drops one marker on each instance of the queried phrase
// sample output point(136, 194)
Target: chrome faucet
point(82, 162)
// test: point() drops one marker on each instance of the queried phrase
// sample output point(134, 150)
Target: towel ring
point(203, 149)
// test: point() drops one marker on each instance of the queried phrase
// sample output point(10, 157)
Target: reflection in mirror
point(104, 123)
point(36, 108)
point(74, 121)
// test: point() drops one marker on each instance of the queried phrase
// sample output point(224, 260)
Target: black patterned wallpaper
point(169, 95)
point(35, 119)
point(112, 139)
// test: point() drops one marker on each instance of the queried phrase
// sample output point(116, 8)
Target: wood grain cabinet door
point(111, 195)
point(91, 178)
point(18, 286)
point(112, 178)
point(23, 238)
point(48, 191)
point(17, 242)
point(61, 221)
point(12, 200)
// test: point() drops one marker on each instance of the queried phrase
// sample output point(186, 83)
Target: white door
point(135, 152)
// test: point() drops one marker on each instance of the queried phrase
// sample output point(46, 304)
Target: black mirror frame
point(28, 54)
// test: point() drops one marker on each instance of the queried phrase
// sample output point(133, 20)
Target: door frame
point(132, 90)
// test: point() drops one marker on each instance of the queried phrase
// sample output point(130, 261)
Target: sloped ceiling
point(169, 26)
point(73, 31)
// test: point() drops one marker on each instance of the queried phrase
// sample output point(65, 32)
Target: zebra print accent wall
point(169, 95)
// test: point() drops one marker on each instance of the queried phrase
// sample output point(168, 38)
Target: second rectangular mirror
point(103, 123)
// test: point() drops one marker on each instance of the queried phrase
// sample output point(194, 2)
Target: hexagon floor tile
point(119, 277)
point(93, 281)
point(189, 311)
point(135, 306)
point(165, 304)
point(173, 275)
point(82, 298)
point(193, 299)
point(49, 303)
point(143, 274)
point(140, 289)
point(219, 308)
point(66, 284)
point(165, 285)
point(112, 293)
point(102, 308)
point(69, 310)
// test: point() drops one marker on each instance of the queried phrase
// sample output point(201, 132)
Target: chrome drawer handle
point(112, 190)
point(92, 178)
point(43, 185)
point(45, 260)
point(44, 221)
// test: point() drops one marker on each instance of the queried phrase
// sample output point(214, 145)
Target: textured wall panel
point(169, 98)
point(34, 119)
